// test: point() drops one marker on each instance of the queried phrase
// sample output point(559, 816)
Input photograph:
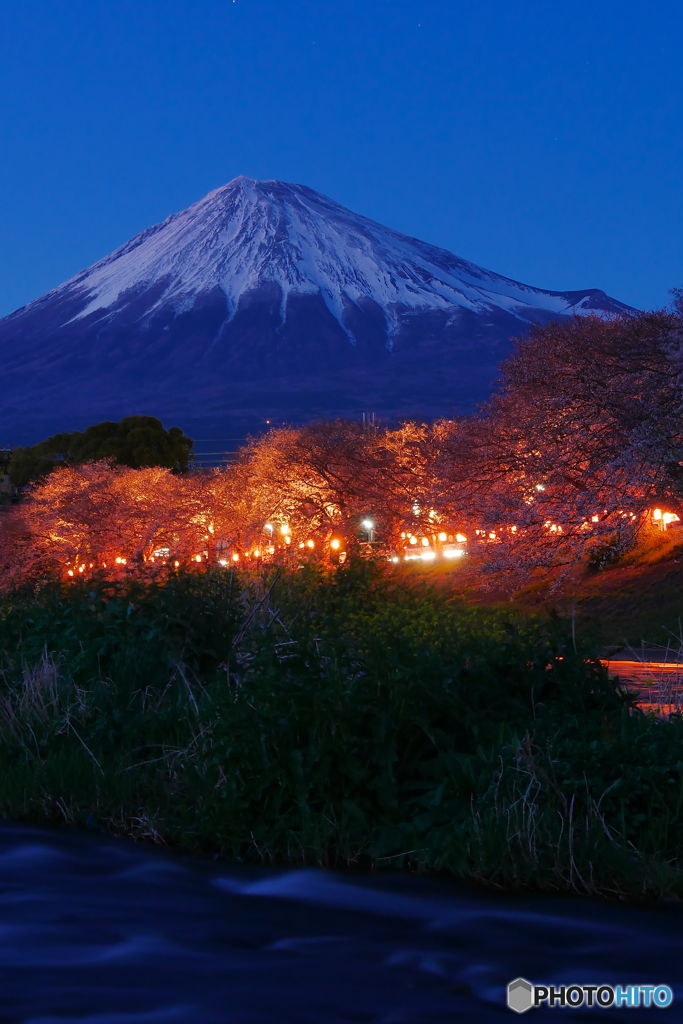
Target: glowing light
point(235, 557)
point(288, 540)
point(70, 573)
point(211, 528)
point(302, 544)
point(222, 561)
point(416, 509)
point(284, 529)
point(335, 544)
point(82, 567)
point(453, 552)
point(513, 529)
point(670, 517)
point(310, 544)
point(425, 542)
point(271, 551)
point(394, 559)
point(658, 513)
point(177, 565)
point(443, 537)
point(368, 524)
point(428, 556)
point(197, 558)
point(403, 536)
point(413, 540)
point(492, 535)
point(268, 527)
point(596, 519)
point(118, 561)
point(257, 553)
point(540, 487)
point(461, 538)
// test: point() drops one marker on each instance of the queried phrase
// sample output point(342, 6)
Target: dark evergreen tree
point(135, 441)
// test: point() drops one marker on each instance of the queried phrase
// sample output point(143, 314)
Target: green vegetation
point(352, 717)
point(135, 441)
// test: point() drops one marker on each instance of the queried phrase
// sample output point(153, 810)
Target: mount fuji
point(265, 301)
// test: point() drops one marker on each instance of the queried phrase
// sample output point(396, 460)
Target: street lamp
point(369, 527)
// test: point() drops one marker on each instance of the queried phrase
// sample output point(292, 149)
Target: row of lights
point(442, 537)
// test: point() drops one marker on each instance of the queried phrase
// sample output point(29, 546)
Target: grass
point(637, 598)
point(357, 718)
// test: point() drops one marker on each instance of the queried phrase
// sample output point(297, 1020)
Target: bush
point(608, 551)
point(335, 718)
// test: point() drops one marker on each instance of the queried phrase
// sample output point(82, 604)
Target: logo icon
point(520, 995)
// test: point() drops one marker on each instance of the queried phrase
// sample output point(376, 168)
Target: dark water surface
point(103, 931)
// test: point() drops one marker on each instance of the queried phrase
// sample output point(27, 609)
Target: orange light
point(310, 544)
point(151, 558)
point(118, 561)
point(235, 557)
point(413, 540)
point(123, 561)
point(288, 540)
point(257, 553)
point(177, 564)
point(461, 538)
point(271, 551)
point(70, 573)
point(197, 558)
point(335, 544)
point(492, 535)
point(302, 544)
point(658, 513)
point(443, 537)
point(425, 542)
point(91, 565)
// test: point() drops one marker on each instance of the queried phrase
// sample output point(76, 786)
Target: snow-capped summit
point(266, 300)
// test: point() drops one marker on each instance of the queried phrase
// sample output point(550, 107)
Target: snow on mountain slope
point(248, 233)
point(260, 287)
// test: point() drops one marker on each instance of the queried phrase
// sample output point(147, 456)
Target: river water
point(103, 931)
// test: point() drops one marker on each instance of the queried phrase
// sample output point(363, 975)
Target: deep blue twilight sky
point(541, 139)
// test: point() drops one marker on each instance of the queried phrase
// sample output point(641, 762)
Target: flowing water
point(102, 931)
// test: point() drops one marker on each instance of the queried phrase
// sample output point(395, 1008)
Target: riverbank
point(355, 718)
